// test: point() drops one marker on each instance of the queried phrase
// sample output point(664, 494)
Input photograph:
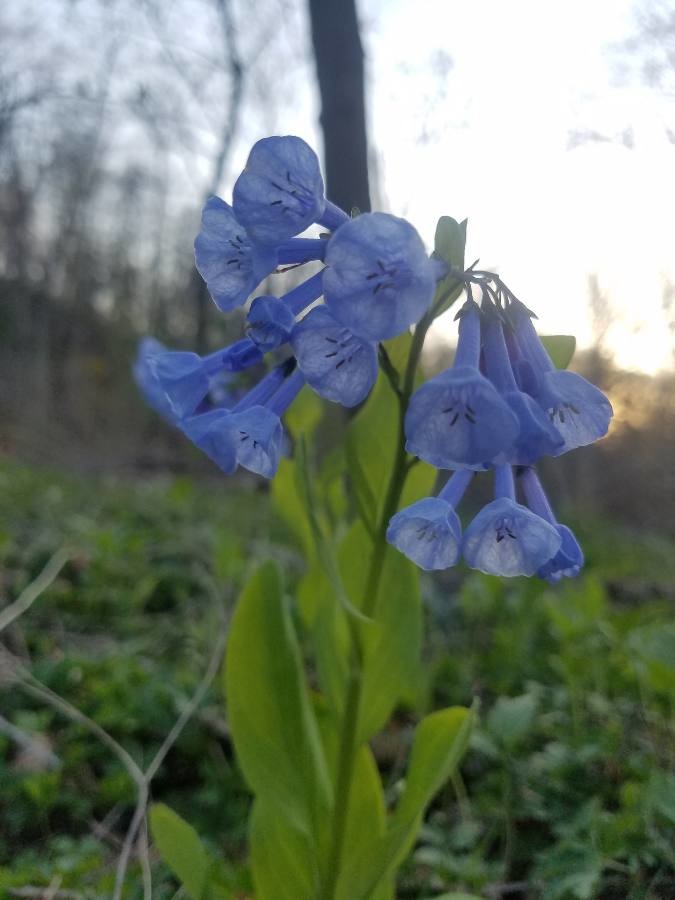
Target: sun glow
point(491, 119)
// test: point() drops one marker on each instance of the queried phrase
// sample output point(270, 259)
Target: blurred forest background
point(117, 119)
point(115, 123)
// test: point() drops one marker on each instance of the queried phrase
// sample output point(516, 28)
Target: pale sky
point(523, 75)
point(472, 104)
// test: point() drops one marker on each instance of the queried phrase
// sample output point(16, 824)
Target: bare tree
point(340, 70)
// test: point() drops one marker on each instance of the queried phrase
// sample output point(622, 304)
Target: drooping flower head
point(506, 538)
point(569, 560)
point(536, 434)
point(251, 434)
point(429, 532)
point(146, 378)
point(227, 259)
point(458, 419)
point(379, 279)
point(280, 193)
point(578, 410)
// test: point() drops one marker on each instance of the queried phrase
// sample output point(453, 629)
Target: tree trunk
point(339, 65)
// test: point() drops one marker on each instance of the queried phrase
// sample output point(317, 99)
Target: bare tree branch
point(30, 594)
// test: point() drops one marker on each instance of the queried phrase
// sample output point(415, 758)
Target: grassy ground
point(568, 791)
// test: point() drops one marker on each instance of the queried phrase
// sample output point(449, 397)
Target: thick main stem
point(348, 735)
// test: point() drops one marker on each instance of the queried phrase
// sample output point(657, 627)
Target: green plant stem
point(348, 746)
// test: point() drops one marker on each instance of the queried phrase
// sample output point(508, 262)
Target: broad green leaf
point(283, 858)
point(181, 850)
point(392, 648)
point(372, 441)
point(365, 824)
point(330, 634)
point(440, 741)
point(392, 638)
point(560, 348)
point(270, 714)
point(304, 414)
point(290, 506)
point(511, 718)
point(371, 445)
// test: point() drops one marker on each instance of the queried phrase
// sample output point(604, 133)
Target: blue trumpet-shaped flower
point(337, 365)
point(429, 532)
point(536, 434)
point(280, 192)
point(145, 377)
point(229, 262)
point(569, 559)
point(506, 538)
point(457, 419)
point(379, 280)
point(250, 435)
point(232, 264)
point(579, 411)
point(271, 319)
point(269, 323)
point(210, 432)
point(185, 377)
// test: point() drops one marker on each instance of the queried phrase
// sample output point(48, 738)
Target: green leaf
point(392, 646)
point(330, 634)
point(283, 860)
point(440, 741)
point(365, 824)
point(511, 718)
point(270, 714)
point(391, 639)
point(304, 414)
point(181, 849)
point(560, 348)
point(371, 445)
point(289, 504)
point(372, 439)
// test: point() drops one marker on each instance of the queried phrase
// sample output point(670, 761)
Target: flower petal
point(211, 433)
point(567, 562)
point(226, 258)
point(335, 363)
point(427, 532)
point(505, 538)
point(146, 378)
point(379, 280)
point(580, 412)
point(183, 380)
point(269, 323)
point(257, 437)
point(458, 420)
point(280, 192)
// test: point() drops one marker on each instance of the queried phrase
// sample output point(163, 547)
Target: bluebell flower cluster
point(500, 407)
point(376, 282)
